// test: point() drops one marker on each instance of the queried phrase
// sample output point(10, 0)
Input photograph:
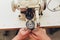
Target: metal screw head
point(18, 5)
point(19, 16)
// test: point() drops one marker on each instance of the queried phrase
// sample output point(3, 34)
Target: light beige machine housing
point(33, 5)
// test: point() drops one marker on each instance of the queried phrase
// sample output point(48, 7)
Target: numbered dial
point(30, 25)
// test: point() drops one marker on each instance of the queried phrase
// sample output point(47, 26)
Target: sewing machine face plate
point(10, 19)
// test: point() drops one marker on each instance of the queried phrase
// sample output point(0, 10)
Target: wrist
point(46, 37)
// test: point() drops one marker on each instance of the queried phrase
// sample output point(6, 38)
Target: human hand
point(23, 33)
point(39, 34)
point(36, 34)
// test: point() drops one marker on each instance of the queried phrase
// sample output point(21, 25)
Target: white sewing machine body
point(28, 3)
point(10, 19)
point(34, 9)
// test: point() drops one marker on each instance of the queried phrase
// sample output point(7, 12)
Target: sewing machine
point(32, 13)
point(14, 17)
point(11, 20)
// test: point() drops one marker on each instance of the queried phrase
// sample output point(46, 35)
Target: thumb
point(23, 32)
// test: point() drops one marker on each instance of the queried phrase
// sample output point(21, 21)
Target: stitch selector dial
point(29, 13)
point(30, 25)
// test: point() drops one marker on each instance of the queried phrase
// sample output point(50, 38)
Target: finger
point(31, 37)
point(26, 31)
point(43, 29)
point(35, 36)
point(35, 31)
point(23, 32)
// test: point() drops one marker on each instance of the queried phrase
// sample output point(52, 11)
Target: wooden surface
point(20, 28)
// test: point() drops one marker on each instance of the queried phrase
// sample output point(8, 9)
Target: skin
point(36, 34)
point(23, 33)
point(39, 34)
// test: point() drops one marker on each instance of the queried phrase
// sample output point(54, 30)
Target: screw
point(19, 16)
point(18, 5)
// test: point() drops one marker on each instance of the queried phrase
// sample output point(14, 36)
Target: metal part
point(30, 25)
point(44, 4)
point(29, 13)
